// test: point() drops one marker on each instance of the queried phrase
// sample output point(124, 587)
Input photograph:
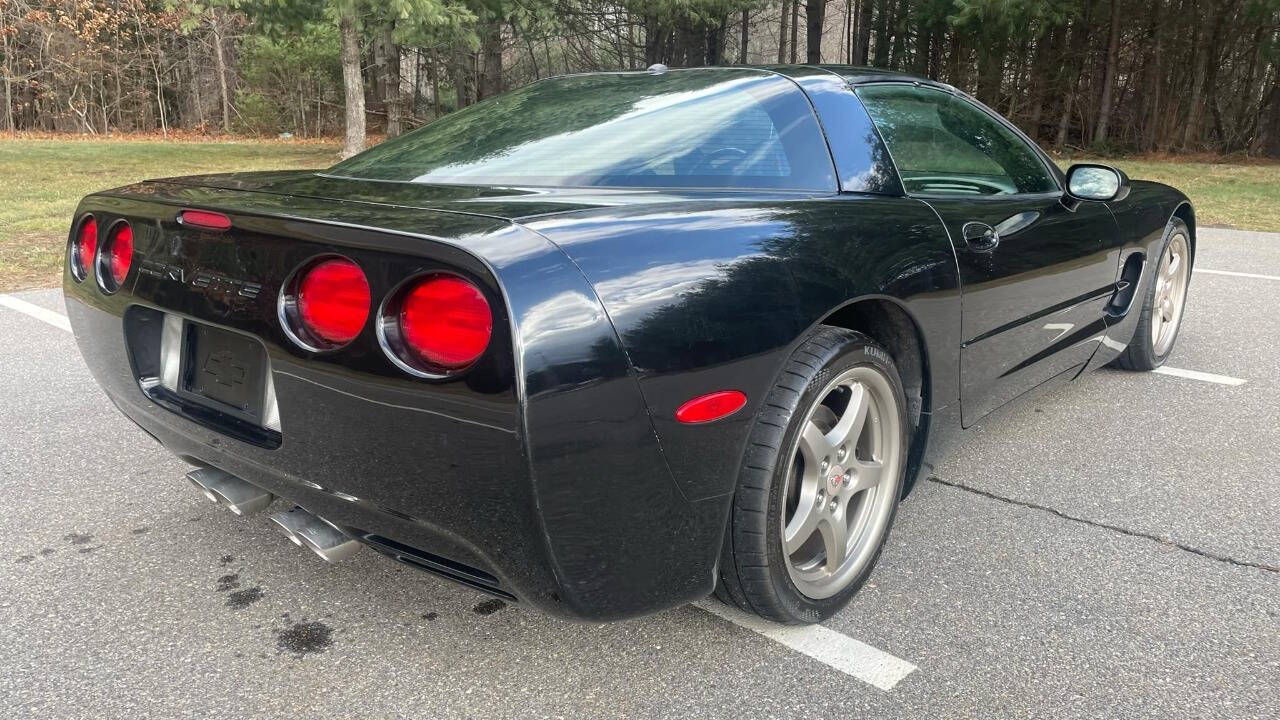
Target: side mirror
point(1087, 181)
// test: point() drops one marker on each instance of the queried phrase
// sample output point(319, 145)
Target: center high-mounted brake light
point(204, 220)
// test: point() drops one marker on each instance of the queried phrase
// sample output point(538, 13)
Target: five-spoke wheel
point(820, 481)
point(835, 512)
point(1159, 317)
point(1171, 292)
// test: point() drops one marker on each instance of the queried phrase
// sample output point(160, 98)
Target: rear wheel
point(1162, 305)
point(820, 482)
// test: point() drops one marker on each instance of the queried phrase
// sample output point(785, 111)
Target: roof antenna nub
point(657, 69)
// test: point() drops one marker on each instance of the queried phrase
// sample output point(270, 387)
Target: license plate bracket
point(224, 370)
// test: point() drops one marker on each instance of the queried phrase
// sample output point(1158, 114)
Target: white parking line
point(849, 656)
point(1197, 375)
point(57, 320)
point(1237, 274)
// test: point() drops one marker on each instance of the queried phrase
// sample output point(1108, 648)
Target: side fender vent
point(1127, 285)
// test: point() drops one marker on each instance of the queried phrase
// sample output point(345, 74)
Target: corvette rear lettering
point(203, 280)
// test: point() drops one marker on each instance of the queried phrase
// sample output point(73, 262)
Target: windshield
point(702, 129)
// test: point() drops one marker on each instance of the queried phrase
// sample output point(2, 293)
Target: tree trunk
point(782, 34)
point(863, 49)
point(882, 34)
point(352, 83)
point(1201, 49)
point(742, 48)
point(491, 54)
point(956, 65)
point(220, 62)
point(897, 58)
point(795, 29)
point(435, 84)
point(1048, 50)
point(848, 31)
point(1268, 139)
point(464, 77)
point(815, 13)
point(924, 35)
point(656, 49)
point(387, 59)
point(8, 85)
point(1071, 71)
point(1109, 76)
point(991, 55)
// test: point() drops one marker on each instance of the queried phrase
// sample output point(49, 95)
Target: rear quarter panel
point(716, 295)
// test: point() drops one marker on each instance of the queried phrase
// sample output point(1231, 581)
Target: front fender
point(1143, 217)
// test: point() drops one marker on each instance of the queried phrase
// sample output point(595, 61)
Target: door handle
point(980, 236)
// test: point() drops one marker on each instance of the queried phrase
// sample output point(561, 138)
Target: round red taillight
point(445, 322)
point(84, 248)
point(333, 300)
point(120, 253)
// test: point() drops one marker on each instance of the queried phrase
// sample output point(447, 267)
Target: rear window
point(703, 129)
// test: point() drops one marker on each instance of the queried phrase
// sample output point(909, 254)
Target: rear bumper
point(391, 471)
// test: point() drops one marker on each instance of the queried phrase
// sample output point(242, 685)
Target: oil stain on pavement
point(242, 599)
point(303, 638)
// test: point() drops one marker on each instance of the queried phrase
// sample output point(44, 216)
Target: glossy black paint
point(554, 471)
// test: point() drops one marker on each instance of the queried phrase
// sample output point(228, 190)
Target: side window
point(944, 145)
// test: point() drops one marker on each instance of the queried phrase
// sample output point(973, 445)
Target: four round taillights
point(111, 259)
point(433, 325)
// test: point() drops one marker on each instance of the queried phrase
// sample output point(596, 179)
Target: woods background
point(1109, 75)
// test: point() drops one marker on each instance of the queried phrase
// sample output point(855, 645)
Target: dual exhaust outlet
point(301, 527)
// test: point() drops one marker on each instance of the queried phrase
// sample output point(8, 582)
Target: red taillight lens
point(333, 300)
point(120, 253)
point(85, 247)
point(446, 322)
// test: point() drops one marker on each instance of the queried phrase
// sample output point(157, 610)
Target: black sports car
point(612, 342)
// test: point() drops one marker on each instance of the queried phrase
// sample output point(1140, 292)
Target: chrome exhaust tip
point(229, 491)
point(316, 534)
point(290, 521)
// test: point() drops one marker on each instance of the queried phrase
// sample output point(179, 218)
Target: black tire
point(1140, 354)
point(753, 574)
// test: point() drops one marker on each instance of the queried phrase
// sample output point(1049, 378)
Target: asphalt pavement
point(1110, 549)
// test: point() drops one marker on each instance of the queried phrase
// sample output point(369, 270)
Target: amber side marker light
point(204, 220)
point(711, 406)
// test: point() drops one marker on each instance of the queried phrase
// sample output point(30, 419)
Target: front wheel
point(1162, 305)
point(820, 482)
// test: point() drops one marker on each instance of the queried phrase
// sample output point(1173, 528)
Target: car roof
point(852, 74)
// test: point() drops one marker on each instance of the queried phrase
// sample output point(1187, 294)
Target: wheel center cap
point(836, 478)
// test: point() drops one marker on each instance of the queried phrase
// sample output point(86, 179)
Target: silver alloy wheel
point(842, 482)
point(1171, 292)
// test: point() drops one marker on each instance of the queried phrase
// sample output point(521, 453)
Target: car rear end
point(364, 373)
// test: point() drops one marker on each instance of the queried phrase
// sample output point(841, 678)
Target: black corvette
point(612, 342)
